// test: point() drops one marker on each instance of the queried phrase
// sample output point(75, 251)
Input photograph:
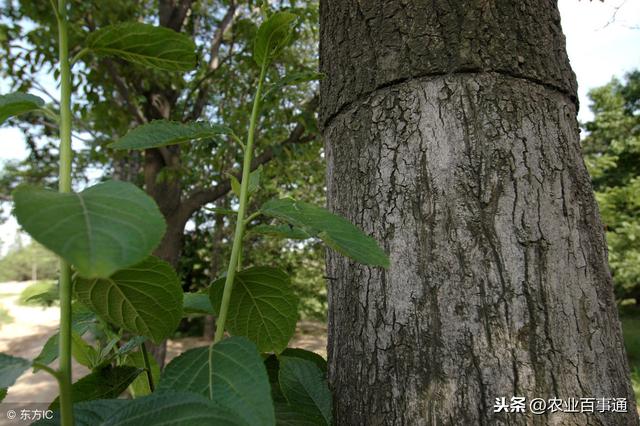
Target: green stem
point(240, 223)
point(48, 369)
point(79, 55)
point(64, 370)
point(147, 366)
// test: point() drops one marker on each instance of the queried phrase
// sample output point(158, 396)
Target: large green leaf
point(146, 45)
point(164, 132)
point(240, 381)
point(288, 415)
point(272, 36)
point(320, 362)
point(187, 372)
point(337, 232)
point(197, 303)
point(3, 394)
point(100, 230)
point(11, 368)
point(145, 299)
point(102, 384)
point(88, 413)
point(303, 385)
point(18, 103)
point(237, 375)
point(175, 409)
point(263, 307)
point(280, 231)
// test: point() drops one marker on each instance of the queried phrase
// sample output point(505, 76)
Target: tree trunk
point(451, 137)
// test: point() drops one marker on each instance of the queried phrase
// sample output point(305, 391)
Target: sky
point(603, 40)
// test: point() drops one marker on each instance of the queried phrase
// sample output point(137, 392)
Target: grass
point(40, 293)
point(5, 317)
point(630, 318)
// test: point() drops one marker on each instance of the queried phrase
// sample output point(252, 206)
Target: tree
point(451, 136)
point(31, 262)
point(612, 155)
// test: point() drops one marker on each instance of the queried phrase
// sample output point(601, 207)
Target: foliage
point(630, 319)
point(5, 317)
point(40, 293)
point(105, 234)
point(112, 95)
point(612, 155)
point(26, 263)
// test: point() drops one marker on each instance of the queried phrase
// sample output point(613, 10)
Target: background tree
point(612, 154)
point(451, 136)
point(30, 262)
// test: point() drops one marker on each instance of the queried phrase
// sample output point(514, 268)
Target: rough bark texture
point(451, 136)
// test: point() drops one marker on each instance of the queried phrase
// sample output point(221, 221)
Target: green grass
point(40, 293)
point(630, 318)
point(5, 317)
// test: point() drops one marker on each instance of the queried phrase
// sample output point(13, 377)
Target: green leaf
point(239, 378)
point(280, 231)
point(102, 384)
point(131, 345)
point(18, 103)
point(100, 230)
point(140, 386)
point(337, 232)
point(254, 180)
point(197, 303)
point(235, 185)
point(273, 35)
point(11, 368)
point(88, 413)
point(187, 372)
point(175, 409)
point(320, 362)
point(84, 353)
point(81, 319)
point(240, 381)
point(288, 415)
point(146, 45)
point(144, 299)
point(303, 385)
point(164, 132)
point(3, 394)
point(263, 307)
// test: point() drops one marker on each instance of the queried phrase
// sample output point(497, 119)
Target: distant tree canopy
point(27, 263)
point(612, 154)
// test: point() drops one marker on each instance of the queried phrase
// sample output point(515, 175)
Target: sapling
point(104, 237)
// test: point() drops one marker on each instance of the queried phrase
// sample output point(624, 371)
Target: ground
point(25, 329)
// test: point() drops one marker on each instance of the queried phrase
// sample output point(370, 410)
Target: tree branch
point(202, 196)
point(172, 13)
point(214, 60)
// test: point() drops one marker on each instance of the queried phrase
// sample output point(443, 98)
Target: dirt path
point(32, 326)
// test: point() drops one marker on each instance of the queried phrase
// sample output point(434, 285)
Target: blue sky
point(603, 40)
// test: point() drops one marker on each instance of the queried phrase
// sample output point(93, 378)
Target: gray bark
point(451, 137)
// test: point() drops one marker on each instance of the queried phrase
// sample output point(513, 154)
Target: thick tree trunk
point(451, 136)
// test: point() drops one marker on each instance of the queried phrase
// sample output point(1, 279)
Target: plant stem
point(147, 366)
point(240, 223)
point(64, 370)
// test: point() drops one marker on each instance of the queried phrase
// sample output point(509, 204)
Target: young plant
point(104, 236)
